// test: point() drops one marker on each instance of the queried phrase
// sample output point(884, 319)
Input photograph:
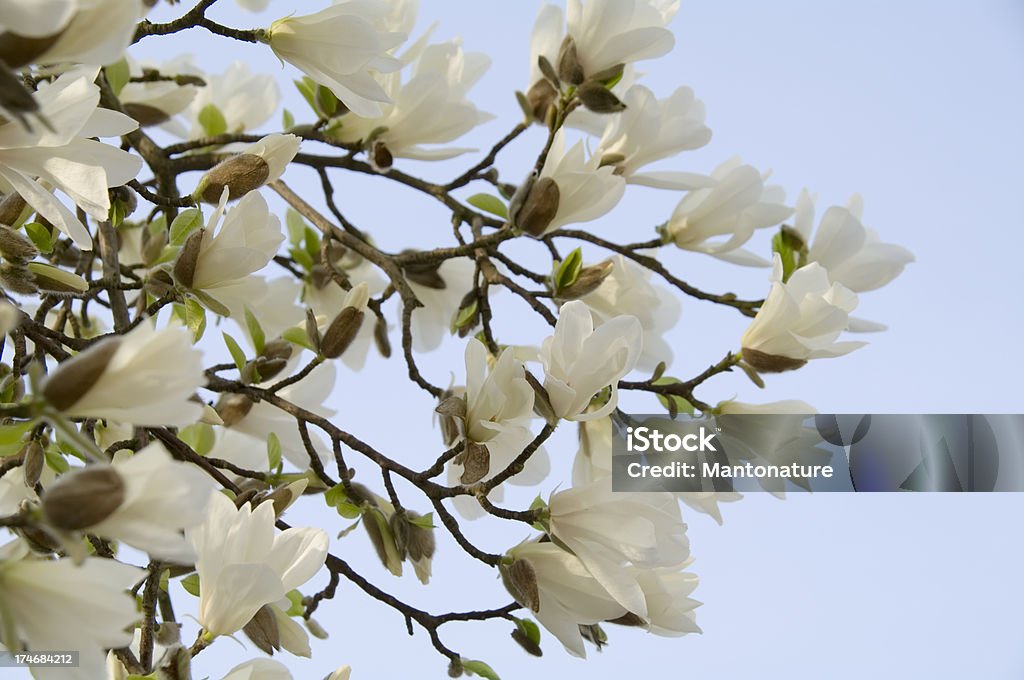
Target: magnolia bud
point(526, 643)
point(16, 247)
point(11, 207)
point(420, 543)
point(233, 407)
point(595, 634)
point(159, 283)
point(380, 157)
point(168, 633)
point(541, 401)
point(547, 70)
point(383, 539)
point(599, 99)
point(175, 664)
point(84, 498)
point(316, 630)
point(520, 581)
point(589, 280)
point(312, 330)
point(16, 278)
point(569, 67)
point(539, 208)
point(56, 280)
point(263, 631)
point(240, 174)
point(475, 460)
point(380, 337)
point(261, 368)
point(32, 459)
point(610, 75)
point(152, 246)
point(76, 376)
point(770, 363)
point(400, 530)
point(18, 50)
point(188, 256)
point(341, 332)
point(539, 98)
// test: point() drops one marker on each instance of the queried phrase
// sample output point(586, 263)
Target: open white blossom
point(799, 320)
point(35, 18)
point(56, 604)
point(853, 254)
point(584, 191)
point(245, 100)
point(650, 130)
point(145, 377)
point(606, 530)
point(580, 361)
point(156, 102)
point(259, 669)
point(568, 595)
point(441, 298)
point(670, 609)
point(612, 32)
point(243, 563)
point(341, 48)
point(160, 497)
point(737, 205)
point(247, 240)
point(65, 158)
point(628, 290)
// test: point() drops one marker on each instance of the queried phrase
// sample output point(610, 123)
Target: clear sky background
point(916, 105)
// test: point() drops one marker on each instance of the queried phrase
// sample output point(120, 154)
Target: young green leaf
point(212, 121)
point(569, 270)
point(479, 668)
point(184, 224)
point(259, 340)
point(489, 203)
point(237, 355)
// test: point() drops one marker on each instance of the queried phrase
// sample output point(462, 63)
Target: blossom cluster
point(147, 461)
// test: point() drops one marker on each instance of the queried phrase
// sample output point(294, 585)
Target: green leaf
point(287, 120)
point(199, 436)
point(423, 522)
point(55, 459)
point(302, 257)
point(479, 668)
point(273, 451)
point(326, 101)
point(466, 315)
point(297, 336)
point(296, 227)
point(184, 224)
point(40, 236)
point(13, 434)
point(338, 499)
point(212, 121)
point(191, 584)
point(569, 270)
point(311, 240)
point(118, 75)
point(530, 629)
point(210, 302)
point(307, 88)
point(195, 318)
point(489, 203)
point(165, 577)
point(296, 608)
point(681, 405)
point(259, 339)
point(349, 529)
point(237, 355)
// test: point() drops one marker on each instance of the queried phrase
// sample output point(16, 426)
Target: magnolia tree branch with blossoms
point(137, 473)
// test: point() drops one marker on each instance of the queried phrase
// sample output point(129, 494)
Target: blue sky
point(915, 105)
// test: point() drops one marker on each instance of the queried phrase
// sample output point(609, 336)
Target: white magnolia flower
point(546, 38)
point(33, 160)
point(853, 254)
point(650, 130)
point(628, 290)
point(593, 459)
point(800, 320)
point(585, 191)
point(432, 322)
point(568, 594)
point(253, 5)
point(612, 32)
point(579, 361)
point(55, 604)
point(430, 108)
point(670, 609)
point(342, 673)
point(244, 99)
point(244, 564)
point(157, 102)
point(161, 496)
point(341, 48)
point(92, 32)
point(144, 377)
point(275, 303)
point(259, 669)
point(606, 530)
point(328, 300)
point(246, 242)
point(734, 207)
point(35, 18)
point(10, 317)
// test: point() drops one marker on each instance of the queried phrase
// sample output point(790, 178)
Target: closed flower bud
point(84, 498)
point(11, 207)
point(770, 363)
point(599, 99)
point(32, 459)
point(55, 280)
point(520, 580)
point(175, 664)
point(383, 539)
point(15, 247)
point(547, 70)
point(240, 174)
point(16, 278)
point(315, 629)
point(262, 630)
point(312, 330)
point(380, 337)
point(539, 208)
point(341, 332)
point(526, 643)
point(76, 376)
point(589, 279)
point(159, 283)
point(569, 68)
point(380, 157)
point(261, 368)
point(233, 407)
point(188, 256)
point(168, 633)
